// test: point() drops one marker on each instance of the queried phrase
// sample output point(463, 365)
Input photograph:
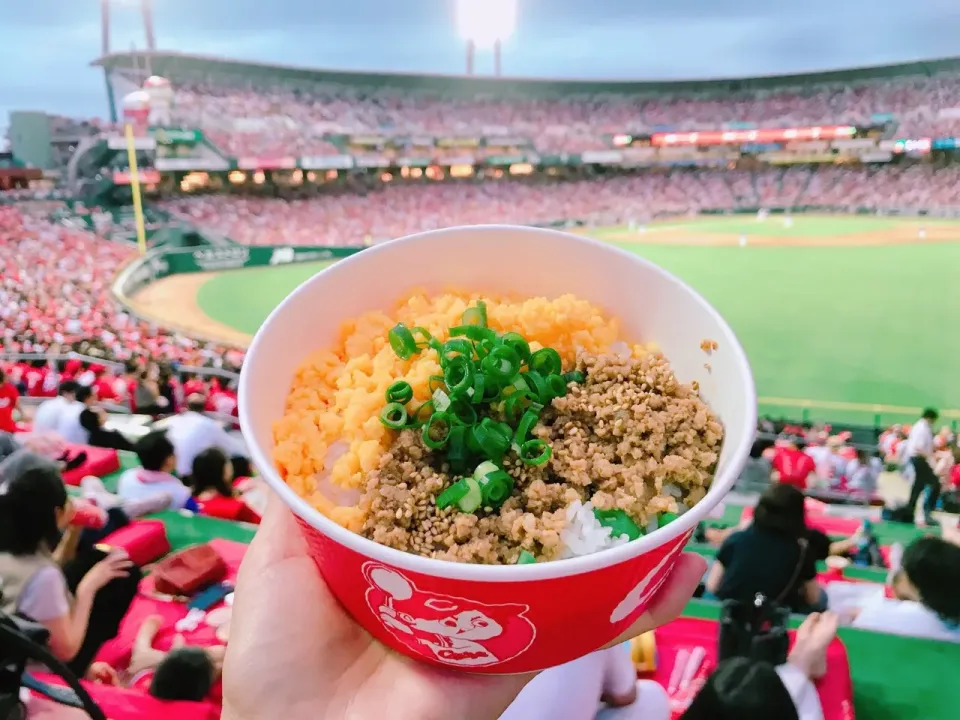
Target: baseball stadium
point(141, 252)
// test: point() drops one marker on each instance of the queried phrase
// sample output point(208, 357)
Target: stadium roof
point(182, 66)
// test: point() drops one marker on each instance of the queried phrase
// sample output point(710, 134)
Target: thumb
point(178, 642)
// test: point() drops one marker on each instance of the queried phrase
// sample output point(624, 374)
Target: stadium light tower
point(485, 24)
point(146, 9)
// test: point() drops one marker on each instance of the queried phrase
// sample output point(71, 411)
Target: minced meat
point(631, 437)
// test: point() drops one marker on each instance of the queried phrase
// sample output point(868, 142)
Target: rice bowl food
point(495, 430)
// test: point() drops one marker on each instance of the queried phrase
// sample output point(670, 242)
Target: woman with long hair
point(79, 597)
point(771, 557)
point(211, 481)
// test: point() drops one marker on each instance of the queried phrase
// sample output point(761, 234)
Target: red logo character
point(448, 629)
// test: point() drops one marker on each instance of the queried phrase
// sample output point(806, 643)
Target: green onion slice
point(618, 521)
point(502, 363)
point(477, 391)
point(455, 348)
point(489, 439)
point(483, 348)
point(575, 376)
point(535, 452)
point(538, 385)
point(519, 345)
point(665, 518)
point(476, 315)
point(556, 386)
point(400, 392)
point(495, 487)
point(477, 333)
point(458, 375)
point(435, 383)
point(546, 361)
point(436, 432)
point(402, 341)
point(423, 337)
point(421, 415)
point(394, 416)
point(441, 400)
point(453, 494)
point(525, 558)
point(473, 498)
point(464, 413)
point(527, 423)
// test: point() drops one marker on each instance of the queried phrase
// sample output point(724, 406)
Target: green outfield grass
point(862, 325)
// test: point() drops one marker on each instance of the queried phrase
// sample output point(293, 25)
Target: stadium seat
point(144, 540)
point(100, 462)
point(835, 689)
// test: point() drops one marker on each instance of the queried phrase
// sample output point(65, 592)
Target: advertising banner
point(738, 137)
point(140, 142)
point(176, 136)
point(326, 162)
point(505, 159)
point(458, 142)
point(371, 161)
point(147, 177)
point(185, 164)
point(602, 156)
point(267, 163)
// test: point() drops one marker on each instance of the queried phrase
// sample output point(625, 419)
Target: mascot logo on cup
point(448, 629)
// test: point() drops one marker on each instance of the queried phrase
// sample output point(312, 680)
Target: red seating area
point(100, 462)
point(835, 689)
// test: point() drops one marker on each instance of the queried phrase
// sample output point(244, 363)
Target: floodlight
point(486, 22)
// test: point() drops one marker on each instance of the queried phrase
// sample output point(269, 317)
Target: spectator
point(47, 417)
point(793, 464)
point(771, 556)
point(68, 424)
point(919, 453)
point(9, 403)
point(927, 588)
point(741, 689)
point(158, 461)
point(211, 480)
point(183, 673)
point(92, 420)
point(193, 432)
point(146, 395)
point(79, 598)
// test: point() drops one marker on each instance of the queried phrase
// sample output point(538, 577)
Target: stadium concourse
point(64, 330)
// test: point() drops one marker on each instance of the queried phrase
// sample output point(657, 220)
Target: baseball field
point(843, 318)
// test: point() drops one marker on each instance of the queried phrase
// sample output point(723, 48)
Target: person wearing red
point(194, 385)
point(9, 401)
point(793, 465)
point(212, 485)
point(224, 401)
point(104, 384)
point(33, 378)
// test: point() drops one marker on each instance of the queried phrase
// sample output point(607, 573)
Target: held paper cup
point(498, 619)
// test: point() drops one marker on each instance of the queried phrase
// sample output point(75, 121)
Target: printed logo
point(282, 255)
point(448, 629)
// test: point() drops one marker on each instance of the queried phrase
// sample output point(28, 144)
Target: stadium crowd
point(396, 209)
point(282, 121)
point(55, 299)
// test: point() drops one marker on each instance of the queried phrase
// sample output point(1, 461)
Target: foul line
point(857, 407)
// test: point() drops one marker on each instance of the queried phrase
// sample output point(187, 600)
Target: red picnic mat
point(835, 689)
point(828, 524)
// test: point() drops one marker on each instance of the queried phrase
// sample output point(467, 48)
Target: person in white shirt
point(193, 432)
point(68, 423)
point(743, 689)
point(154, 477)
point(927, 589)
point(575, 690)
point(49, 411)
point(918, 451)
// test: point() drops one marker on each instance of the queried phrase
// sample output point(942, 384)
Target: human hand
point(115, 565)
point(809, 652)
point(103, 674)
point(295, 653)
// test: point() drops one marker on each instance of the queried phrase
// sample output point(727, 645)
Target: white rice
point(584, 534)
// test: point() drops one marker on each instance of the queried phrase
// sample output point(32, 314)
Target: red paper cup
point(498, 619)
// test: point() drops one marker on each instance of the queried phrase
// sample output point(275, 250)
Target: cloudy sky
point(47, 44)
